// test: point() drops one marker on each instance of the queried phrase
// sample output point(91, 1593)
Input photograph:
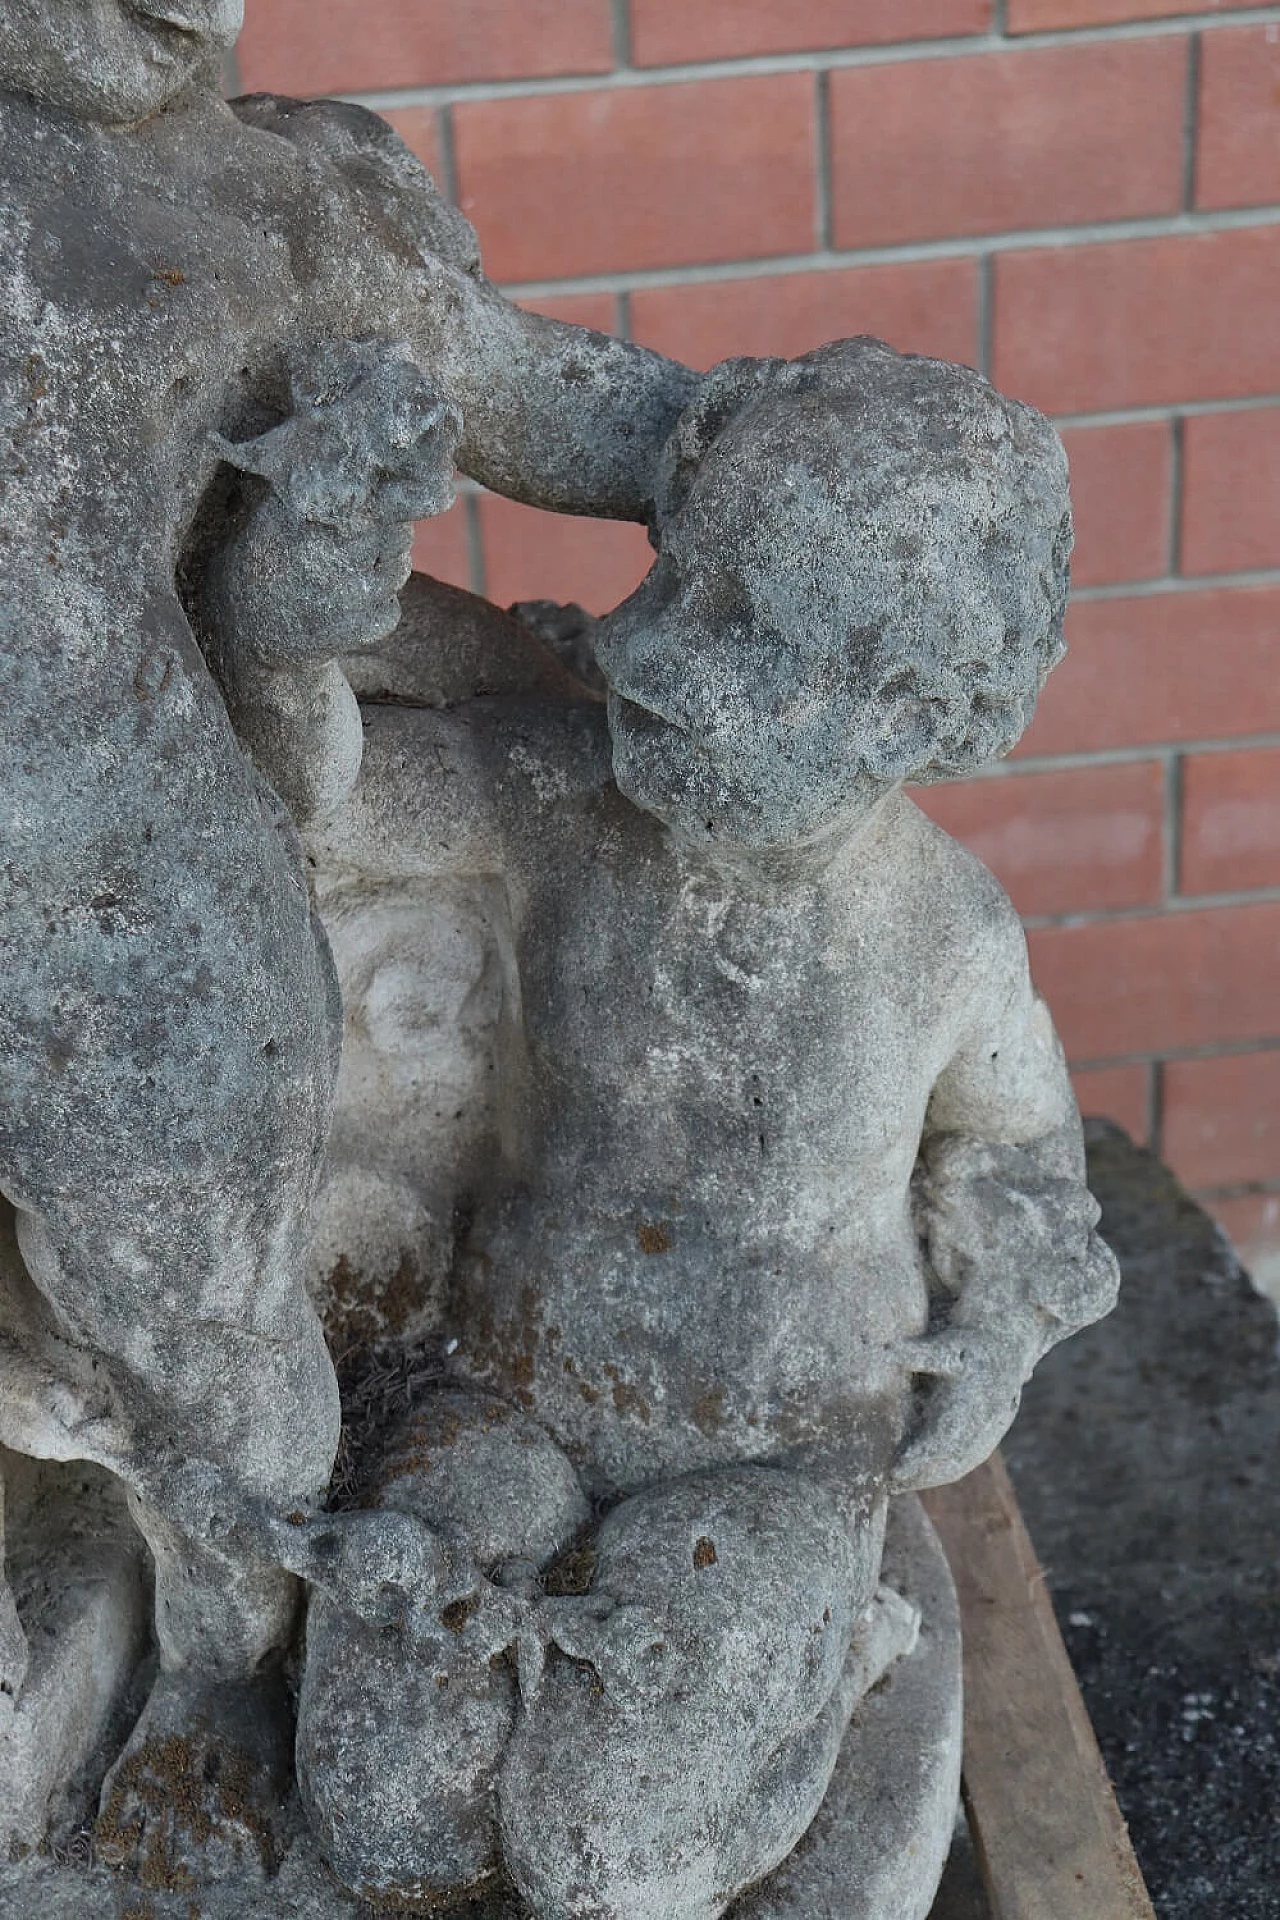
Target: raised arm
point(557, 415)
point(1005, 1217)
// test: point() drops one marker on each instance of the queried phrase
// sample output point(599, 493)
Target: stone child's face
point(732, 707)
point(114, 61)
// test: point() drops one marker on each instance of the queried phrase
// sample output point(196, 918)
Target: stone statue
point(769, 1034)
point(169, 1026)
point(764, 1184)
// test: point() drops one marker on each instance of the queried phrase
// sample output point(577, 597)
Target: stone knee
point(252, 1389)
point(473, 1464)
point(666, 1797)
point(397, 1753)
point(759, 1576)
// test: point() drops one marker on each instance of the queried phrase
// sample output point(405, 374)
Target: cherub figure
point(168, 1023)
point(792, 1194)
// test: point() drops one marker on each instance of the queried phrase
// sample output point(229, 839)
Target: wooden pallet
point(1050, 1839)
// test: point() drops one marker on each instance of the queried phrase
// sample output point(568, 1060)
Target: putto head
point(113, 61)
point(861, 577)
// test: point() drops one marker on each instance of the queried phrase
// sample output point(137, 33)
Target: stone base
point(875, 1852)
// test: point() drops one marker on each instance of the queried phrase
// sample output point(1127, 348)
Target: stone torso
point(704, 1250)
point(145, 295)
point(158, 282)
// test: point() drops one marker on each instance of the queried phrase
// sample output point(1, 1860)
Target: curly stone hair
point(939, 513)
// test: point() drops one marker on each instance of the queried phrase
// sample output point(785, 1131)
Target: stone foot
point(196, 1794)
point(887, 1632)
point(73, 1630)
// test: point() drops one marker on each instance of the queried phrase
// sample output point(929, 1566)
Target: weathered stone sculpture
point(758, 1184)
point(168, 1025)
point(752, 990)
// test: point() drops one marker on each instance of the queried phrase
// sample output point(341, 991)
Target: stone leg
point(399, 1743)
point(671, 1767)
point(878, 1843)
point(76, 1569)
point(193, 1288)
point(170, 1029)
point(170, 1032)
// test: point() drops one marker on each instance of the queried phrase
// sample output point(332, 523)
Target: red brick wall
point(1083, 198)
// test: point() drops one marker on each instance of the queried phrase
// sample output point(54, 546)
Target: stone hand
point(1013, 1253)
point(391, 1569)
point(314, 571)
point(368, 437)
point(624, 1645)
point(386, 1568)
point(973, 1379)
point(1007, 1235)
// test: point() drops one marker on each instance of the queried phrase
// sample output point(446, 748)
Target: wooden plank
point(1051, 1841)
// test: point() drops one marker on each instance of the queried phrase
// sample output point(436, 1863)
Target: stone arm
point(316, 550)
point(556, 415)
point(1005, 1219)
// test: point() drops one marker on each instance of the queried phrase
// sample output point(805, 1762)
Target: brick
point(362, 45)
point(1251, 1221)
point(992, 142)
point(419, 128)
point(1238, 144)
point(440, 546)
point(1122, 1094)
point(530, 555)
point(1120, 489)
point(1062, 842)
point(1139, 322)
point(1230, 821)
point(929, 306)
point(1162, 668)
point(1031, 16)
point(1221, 1119)
point(667, 31)
point(604, 181)
point(1162, 982)
point(1231, 491)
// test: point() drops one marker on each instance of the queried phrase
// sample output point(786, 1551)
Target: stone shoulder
point(959, 897)
point(544, 753)
point(374, 162)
